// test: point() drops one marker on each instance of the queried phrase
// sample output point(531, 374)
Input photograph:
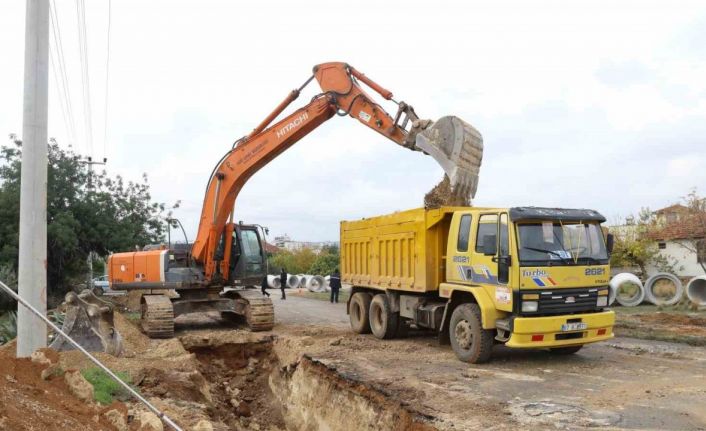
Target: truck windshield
point(561, 243)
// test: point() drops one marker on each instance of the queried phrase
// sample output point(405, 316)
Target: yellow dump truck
point(524, 277)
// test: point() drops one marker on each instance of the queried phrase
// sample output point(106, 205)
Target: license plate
point(577, 326)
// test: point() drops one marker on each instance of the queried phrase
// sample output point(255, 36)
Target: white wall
point(685, 255)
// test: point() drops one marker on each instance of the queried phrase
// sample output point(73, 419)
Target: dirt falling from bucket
point(442, 195)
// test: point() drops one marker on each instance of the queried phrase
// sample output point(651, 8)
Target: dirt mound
point(672, 319)
point(139, 353)
point(134, 341)
point(29, 403)
point(442, 195)
point(665, 326)
point(182, 385)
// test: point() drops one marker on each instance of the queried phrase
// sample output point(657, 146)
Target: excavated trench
point(244, 384)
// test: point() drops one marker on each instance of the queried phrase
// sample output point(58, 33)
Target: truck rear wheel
point(469, 340)
point(358, 308)
point(383, 322)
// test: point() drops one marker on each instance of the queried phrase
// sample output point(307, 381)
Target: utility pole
point(32, 272)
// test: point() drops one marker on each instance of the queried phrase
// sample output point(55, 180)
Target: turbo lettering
point(534, 273)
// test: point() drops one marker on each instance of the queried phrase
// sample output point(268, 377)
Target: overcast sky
point(581, 104)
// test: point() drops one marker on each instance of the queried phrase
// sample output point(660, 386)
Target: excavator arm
point(452, 142)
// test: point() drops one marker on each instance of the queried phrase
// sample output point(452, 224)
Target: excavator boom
point(455, 145)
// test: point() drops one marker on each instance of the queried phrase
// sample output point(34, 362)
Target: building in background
point(286, 243)
point(680, 235)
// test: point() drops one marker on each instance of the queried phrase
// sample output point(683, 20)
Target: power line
point(59, 93)
point(83, 51)
point(62, 81)
point(107, 80)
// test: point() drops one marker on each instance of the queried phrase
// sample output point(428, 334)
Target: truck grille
point(562, 301)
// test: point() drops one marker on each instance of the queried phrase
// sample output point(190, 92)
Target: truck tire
point(402, 328)
point(469, 340)
point(358, 309)
point(569, 350)
point(383, 322)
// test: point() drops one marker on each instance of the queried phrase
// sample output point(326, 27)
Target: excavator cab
point(248, 261)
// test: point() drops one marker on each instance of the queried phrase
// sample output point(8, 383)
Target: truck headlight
point(529, 306)
point(602, 301)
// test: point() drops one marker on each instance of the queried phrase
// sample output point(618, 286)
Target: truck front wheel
point(469, 340)
point(383, 322)
point(358, 312)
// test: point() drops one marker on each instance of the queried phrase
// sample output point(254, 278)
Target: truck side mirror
point(610, 241)
point(490, 246)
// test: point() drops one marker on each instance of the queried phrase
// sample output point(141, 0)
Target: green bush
point(105, 389)
point(8, 276)
point(324, 264)
point(8, 327)
point(305, 261)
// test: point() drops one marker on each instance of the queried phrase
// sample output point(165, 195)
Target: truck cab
point(539, 275)
point(525, 277)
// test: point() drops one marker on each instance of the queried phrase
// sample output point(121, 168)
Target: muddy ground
point(625, 383)
point(663, 324)
point(29, 402)
point(312, 373)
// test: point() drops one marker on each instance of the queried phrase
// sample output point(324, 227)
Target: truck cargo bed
point(400, 251)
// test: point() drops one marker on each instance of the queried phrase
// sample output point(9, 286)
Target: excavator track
point(258, 311)
point(260, 314)
point(157, 316)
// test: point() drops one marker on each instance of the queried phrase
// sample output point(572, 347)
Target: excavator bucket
point(458, 148)
point(88, 321)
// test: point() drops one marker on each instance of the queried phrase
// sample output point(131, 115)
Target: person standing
point(335, 285)
point(264, 286)
point(283, 281)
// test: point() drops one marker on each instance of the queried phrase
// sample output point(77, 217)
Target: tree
point(305, 261)
point(86, 211)
point(326, 262)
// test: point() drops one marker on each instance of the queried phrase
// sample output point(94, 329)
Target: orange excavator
point(227, 254)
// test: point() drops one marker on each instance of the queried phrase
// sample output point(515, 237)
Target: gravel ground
point(624, 383)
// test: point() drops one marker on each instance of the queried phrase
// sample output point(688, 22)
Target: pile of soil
point(442, 195)
point(29, 403)
point(675, 327)
point(673, 319)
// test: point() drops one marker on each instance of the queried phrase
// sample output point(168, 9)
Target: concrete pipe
point(318, 283)
point(315, 283)
point(627, 289)
point(657, 293)
point(273, 282)
point(327, 283)
point(302, 281)
point(696, 290)
point(292, 281)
